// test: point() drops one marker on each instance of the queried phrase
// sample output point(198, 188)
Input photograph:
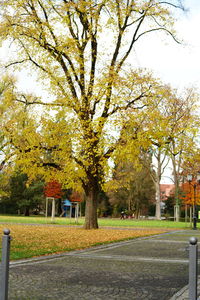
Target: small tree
point(53, 189)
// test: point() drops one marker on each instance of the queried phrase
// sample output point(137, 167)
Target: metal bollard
point(5, 264)
point(193, 262)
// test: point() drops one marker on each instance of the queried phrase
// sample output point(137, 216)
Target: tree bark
point(176, 170)
point(91, 220)
point(176, 191)
point(26, 212)
point(157, 185)
point(158, 201)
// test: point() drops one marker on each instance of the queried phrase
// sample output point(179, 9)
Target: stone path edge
point(44, 258)
point(183, 294)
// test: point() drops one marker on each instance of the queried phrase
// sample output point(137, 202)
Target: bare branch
point(180, 6)
point(129, 104)
point(131, 44)
point(51, 164)
point(27, 102)
point(16, 62)
point(157, 29)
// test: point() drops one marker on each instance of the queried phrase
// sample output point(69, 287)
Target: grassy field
point(102, 222)
point(43, 238)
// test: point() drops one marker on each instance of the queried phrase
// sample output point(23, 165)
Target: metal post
point(195, 210)
point(186, 215)
point(193, 252)
point(190, 216)
point(5, 264)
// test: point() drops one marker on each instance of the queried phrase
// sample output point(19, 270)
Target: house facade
point(166, 190)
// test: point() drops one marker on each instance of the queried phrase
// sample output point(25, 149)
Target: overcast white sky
point(176, 64)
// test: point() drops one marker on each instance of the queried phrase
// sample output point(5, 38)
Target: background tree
point(25, 196)
point(171, 129)
point(173, 136)
point(6, 205)
point(53, 189)
point(132, 189)
point(65, 43)
point(34, 198)
point(169, 206)
point(149, 130)
point(184, 124)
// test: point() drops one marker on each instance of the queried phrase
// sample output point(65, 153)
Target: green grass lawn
point(115, 222)
point(143, 223)
point(57, 239)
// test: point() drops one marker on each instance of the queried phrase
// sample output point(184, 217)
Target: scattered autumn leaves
point(34, 240)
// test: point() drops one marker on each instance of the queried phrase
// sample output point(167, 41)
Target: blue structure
point(65, 205)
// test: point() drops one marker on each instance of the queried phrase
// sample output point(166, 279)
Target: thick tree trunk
point(91, 220)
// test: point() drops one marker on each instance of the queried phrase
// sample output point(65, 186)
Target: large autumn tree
point(79, 50)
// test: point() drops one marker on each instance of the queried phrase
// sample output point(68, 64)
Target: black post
point(195, 210)
point(5, 264)
point(193, 252)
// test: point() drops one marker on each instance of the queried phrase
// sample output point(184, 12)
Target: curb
point(183, 294)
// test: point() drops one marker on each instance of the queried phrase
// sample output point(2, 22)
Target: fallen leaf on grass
point(29, 241)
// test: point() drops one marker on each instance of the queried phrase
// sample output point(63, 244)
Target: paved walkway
point(145, 268)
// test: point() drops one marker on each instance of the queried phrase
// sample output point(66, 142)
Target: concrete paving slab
point(145, 268)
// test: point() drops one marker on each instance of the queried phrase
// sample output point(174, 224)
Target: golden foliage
point(40, 240)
